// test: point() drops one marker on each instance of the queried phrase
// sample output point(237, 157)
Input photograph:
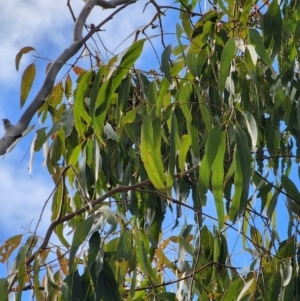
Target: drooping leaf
point(26, 83)
point(151, 153)
point(128, 59)
point(226, 58)
point(81, 117)
point(68, 122)
point(242, 175)
point(256, 40)
point(165, 64)
point(20, 54)
point(3, 289)
point(68, 86)
point(217, 178)
point(80, 235)
point(185, 143)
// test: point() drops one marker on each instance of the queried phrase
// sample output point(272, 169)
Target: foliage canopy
point(137, 156)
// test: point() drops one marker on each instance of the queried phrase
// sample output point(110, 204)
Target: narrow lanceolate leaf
point(68, 122)
point(217, 179)
point(226, 58)
point(206, 116)
point(93, 250)
point(204, 178)
point(151, 152)
point(20, 54)
point(165, 64)
point(80, 112)
point(80, 235)
point(173, 150)
point(36, 284)
point(184, 146)
point(152, 99)
point(128, 59)
point(68, 86)
point(26, 83)
point(256, 40)
point(242, 175)
point(213, 141)
point(251, 126)
point(290, 187)
point(272, 27)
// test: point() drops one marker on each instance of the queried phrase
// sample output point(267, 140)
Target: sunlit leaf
point(26, 83)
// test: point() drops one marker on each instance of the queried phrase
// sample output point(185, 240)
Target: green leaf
point(152, 99)
point(125, 247)
point(167, 296)
point(127, 61)
point(205, 113)
point(251, 127)
point(55, 97)
point(272, 28)
point(81, 117)
point(68, 86)
point(3, 289)
point(80, 235)
point(102, 106)
point(37, 292)
point(290, 188)
point(151, 152)
point(217, 178)
point(173, 149)
point(212, 145)
point(256, 40)
point(184, 146)
point(73, 283)
point(204, 178)
point(242, 175)
point(68, 122)
point(183, 99)
point(256, 236)
point(94, 247)
point(26, 82)
point(226, 58)
point(165, 64)
point(41, 138)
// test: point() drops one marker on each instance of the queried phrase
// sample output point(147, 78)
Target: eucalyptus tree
point(140, 158)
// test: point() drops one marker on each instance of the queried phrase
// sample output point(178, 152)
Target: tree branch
point(13, 132)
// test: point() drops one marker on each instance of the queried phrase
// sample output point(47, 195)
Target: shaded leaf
point(226, 58)
point(165, 64)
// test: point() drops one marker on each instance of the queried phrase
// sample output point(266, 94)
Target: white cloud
point(48, 25)
point(22, 198)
